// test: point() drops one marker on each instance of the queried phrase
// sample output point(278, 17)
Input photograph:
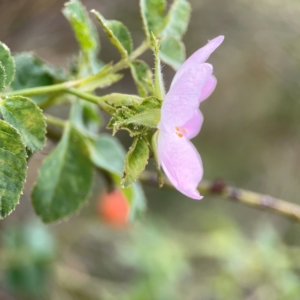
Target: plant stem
point(122, 64)
point(158, 80)
point(92, 98)
point(55, 121)
point(139, 50)
point(42, 90)
point(73, 83)
point(249, 198)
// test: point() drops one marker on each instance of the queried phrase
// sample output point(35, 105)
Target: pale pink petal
point(181, 162)
point(199, 57)
point(183, 98)
point(192, 127)
point(208, 88)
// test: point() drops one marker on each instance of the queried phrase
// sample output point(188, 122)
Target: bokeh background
point(184, 249)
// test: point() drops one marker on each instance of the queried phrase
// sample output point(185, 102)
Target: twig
point(218, 187)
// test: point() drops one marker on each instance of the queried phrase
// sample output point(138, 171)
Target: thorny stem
point(65, 86)
point(259, 201)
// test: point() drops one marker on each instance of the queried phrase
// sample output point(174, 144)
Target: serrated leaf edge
point(25, 173)
point(13, 62)
point(43, 117)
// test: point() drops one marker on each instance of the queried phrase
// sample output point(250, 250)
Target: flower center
point(180, 131)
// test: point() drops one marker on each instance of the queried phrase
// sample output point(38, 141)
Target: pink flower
point(181, 120)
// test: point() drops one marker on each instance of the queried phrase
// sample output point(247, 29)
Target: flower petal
point(208, 88)
point(192, 127)
point(183, 98)
point(199, 57)
point(181, 162)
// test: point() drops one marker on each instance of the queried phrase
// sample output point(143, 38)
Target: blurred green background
point(184, 249)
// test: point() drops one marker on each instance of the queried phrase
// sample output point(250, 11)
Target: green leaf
point(149, 103)
point(116, 99)
point(177, 19)
point(153, 16)
point(83, 28)
point(149, 118)
point(138, 201)
point(12, 168)
point(91, 116)
point(27, 118)
point(142, 76)
point(134, 119)
point(84, 65)
point(118, 122)
point(8, 63)
point(85, 116)
point(65, 178)
point(108, 154)
point(135, 161)
point(32, 72)
point(117, 33)
point(2, 77)
point(100, 80)
point(172, 52)
point(9, 145)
